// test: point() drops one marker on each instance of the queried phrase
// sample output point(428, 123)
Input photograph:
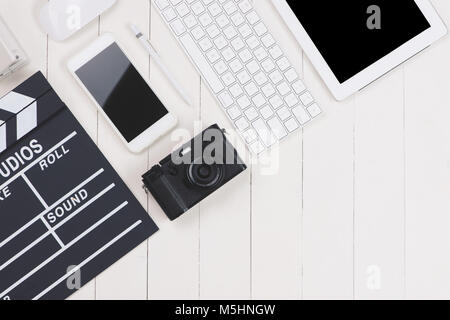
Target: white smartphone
point(121, 94)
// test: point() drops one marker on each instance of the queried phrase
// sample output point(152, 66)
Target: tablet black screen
point(352, 35)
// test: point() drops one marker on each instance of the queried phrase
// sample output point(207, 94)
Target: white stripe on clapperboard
point(14, 102)
point(2, 136)
point(68, 246)
point(32, 164)
point(53, 230)
point(85, 262)
point(26, 118)
point(73, 242)
point(38, 195)
point(32, 221)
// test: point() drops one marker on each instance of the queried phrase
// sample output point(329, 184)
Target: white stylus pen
point(147, 45)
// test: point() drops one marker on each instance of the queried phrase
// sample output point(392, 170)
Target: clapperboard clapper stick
point(64, 209)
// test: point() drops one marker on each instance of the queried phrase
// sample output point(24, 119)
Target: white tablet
point(353, 43)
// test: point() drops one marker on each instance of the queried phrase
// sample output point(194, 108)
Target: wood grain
point(356, 205)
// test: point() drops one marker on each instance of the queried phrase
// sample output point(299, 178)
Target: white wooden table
point(358, 207)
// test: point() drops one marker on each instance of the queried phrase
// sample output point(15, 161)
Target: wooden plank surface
point(428, 170)
point(277, 199)
point(379, 211)
point(355, 206)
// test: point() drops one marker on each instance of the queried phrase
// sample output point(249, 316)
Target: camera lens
point(205, 176)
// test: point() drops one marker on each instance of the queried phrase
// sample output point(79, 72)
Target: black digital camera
point(193, 172)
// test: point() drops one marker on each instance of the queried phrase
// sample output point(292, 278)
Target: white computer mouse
point(62, 18)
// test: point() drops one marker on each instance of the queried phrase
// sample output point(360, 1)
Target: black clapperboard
point(65, 214)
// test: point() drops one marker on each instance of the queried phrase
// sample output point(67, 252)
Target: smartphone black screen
point(120, 90)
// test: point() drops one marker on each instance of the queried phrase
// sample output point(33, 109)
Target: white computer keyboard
point(244, 67)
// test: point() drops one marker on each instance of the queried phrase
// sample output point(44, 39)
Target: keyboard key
point(230, 32)
point(259, 100)
point(243, 102)
point(283, 64)
point(302, 116)
point(169, 14)
point(251, 89)
point(213, 31)
point(215, 9)
point(277, 128)
point(237, 19)
point(234, 112)
point(213, 55)
point(253, 42)
point(268, 40)
point(260, 54)
point(291, 75)
point(260, 78)
point(228, 79)
point(183, 10)
point(291, 125)
point(245, 55)
point(250, 136)
point(314, 110)
point(253, 18)
point(253, 67)
point(162, 4)
point(226, 99)
point(251, 114)
point(236, 90)
point(275, 52)
point(237, 44)
point(291, 100)
point(276, 77)
point(178, 27)
point(220, 42)
point(220, 67)
point(236, 65)
point(245, 6)
point(243, 77)
point(268, 90)
point(264, 133)
point(276, 102)
point(268, 65)
point(260, 29)
point(267, 112)
point(257, 147)
point(230, 8)
point(197, 8)
point(283, 88)
point(198, 33)
point(206, 70)
point(299, 87)
point(245, 31)
point(228, 54)
point(222, 21)
point(190, 21)
point(242, 124)
point(306, 98)
point(284, 113)
point(205, 44)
